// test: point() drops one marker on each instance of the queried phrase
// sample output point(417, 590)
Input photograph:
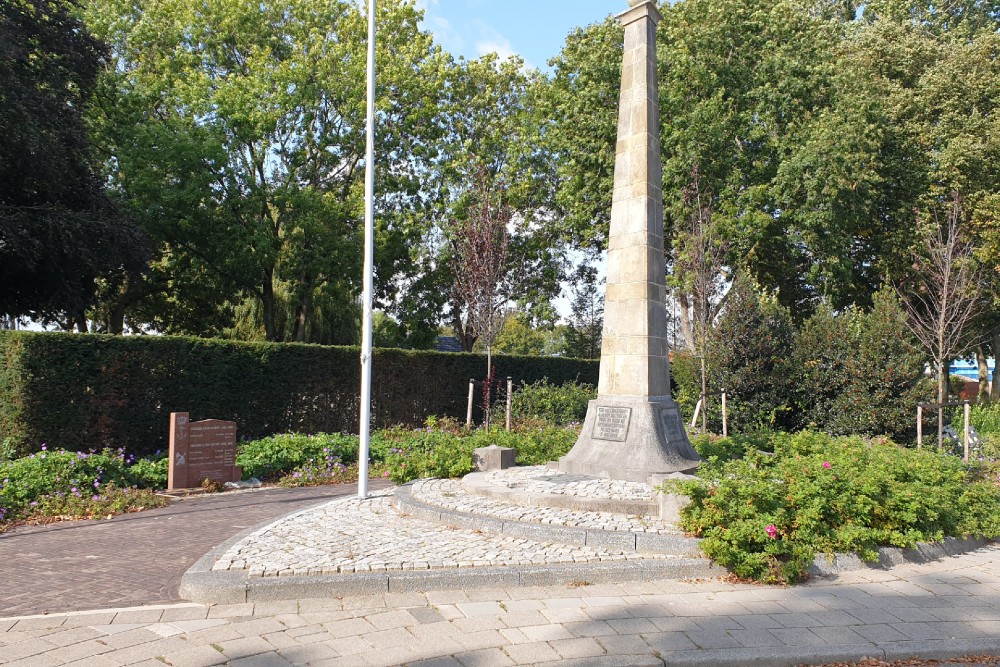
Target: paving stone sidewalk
point(942, 609)
point(133, 559)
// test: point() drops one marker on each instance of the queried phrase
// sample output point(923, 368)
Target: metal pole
point(510, 386)
point(468, 415)
point(366, 321)
point(968, 430)
point(920, 426)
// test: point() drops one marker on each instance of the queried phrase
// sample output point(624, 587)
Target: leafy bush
point(76, 484)
point(550, 403)
point(150, 472)
point(749, 356)
point(767, 515)
point(96, 391)
point(860, 372)
point(429, 453)
point(984, 417)
point(271, 458)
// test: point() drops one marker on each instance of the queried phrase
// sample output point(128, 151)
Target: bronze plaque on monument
point(201, 450)
point(612, 423)
point(670, 421)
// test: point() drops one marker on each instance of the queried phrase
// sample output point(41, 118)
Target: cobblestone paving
point(353, 535)
point(943, 609)
point(540, 479)
point(450, 494)
point(134, 558)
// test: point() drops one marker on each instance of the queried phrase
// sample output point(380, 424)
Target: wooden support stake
point(725, 418)
point(920, 426)
point(510, 388)
point(968, 431)
point(468, 414)
point(697, 409)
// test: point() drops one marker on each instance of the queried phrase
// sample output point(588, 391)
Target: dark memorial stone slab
point(612, 423)
point(670, 422)
point(200, 451)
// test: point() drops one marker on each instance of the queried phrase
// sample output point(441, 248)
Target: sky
point(533, 29)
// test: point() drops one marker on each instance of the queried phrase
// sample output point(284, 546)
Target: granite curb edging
point(795, 656)
point(924, 552)
point(657, 543)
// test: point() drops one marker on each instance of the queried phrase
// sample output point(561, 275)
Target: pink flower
point(385, 474)
point(771, 531)
point(827, 464)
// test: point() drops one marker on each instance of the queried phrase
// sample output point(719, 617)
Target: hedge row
point(89, 391)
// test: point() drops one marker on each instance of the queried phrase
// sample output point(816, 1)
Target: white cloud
point(472, 37)
point(490, 40)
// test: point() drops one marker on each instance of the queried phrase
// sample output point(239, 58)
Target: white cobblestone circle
point(450, 494)
point(354, 535)
point(540, 479)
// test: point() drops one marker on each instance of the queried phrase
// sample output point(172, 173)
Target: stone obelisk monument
point(633, 429)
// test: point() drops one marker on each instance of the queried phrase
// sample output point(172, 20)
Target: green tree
point(749, 357)
point(236, 132)
point(859, 371)
point(586, 323)
point(59, 232)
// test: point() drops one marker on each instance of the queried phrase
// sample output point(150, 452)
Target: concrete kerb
point(203, 584)
point(829, 565)
point(625, 540)
point(793, 656)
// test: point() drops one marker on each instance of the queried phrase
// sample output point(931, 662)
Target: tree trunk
point(984, 374)
point(267, 307)
point(80, 320)
point(704, 395)
point(687, 326)
point(942, 379)
point(303, 309)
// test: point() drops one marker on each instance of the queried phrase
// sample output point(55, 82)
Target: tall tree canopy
point(58, 230)
point(237, 135)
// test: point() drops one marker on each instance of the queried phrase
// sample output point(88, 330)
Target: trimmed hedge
point(89, 391)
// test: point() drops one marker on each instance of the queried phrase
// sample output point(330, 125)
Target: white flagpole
point(366, 326)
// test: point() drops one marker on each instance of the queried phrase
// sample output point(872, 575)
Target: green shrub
point(76, 484)
point(860, 372)
point(430, 453)
point(91, 391)
point(271, 458)
point(554, 404)
point(150, 472)
point(766, 516)
point(749, 357)
point(984, 417)
point(28, 479)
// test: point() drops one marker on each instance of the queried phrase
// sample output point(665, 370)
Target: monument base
point(631, 439)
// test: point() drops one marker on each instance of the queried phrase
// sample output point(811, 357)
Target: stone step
point(444, 502)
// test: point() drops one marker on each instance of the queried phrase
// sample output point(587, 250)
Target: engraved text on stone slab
point(670, 422)
point(612, 423)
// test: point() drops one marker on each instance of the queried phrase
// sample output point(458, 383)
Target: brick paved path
point(132, 559)
point(941, 609)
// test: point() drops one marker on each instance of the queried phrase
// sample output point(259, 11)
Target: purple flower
point(771, 531)
point(827, 464)
point(44, 447)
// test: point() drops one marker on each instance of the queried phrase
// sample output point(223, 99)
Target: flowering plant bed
point(766, 506)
